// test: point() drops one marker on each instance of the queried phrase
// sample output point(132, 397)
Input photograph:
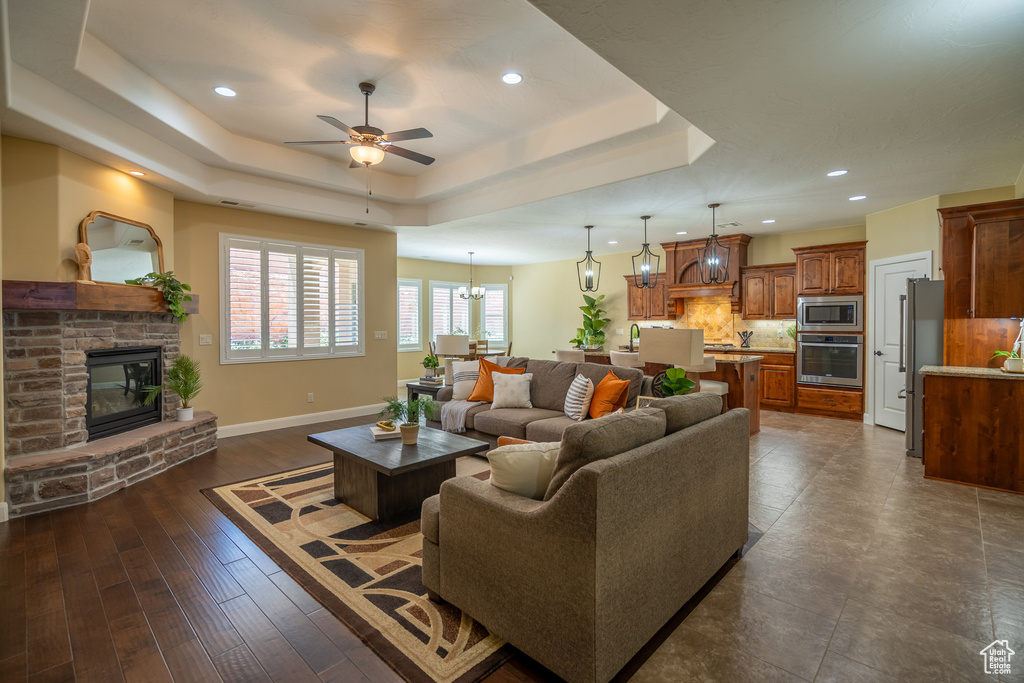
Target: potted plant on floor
point(407, 414)
point(183, 379)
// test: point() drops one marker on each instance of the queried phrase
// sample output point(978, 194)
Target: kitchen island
point(974, 426)
point(741, 374)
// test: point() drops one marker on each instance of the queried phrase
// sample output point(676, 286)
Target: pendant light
point(646, 264)
point(475, 293)
point(713, 258)
point(588, 270)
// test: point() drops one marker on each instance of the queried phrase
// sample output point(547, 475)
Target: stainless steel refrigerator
point(925, 314)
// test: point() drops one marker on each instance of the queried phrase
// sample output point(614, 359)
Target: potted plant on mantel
point(407, 413)
point(183, 379)
point(172, 289)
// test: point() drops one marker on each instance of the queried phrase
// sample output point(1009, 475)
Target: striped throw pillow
point(577, 400)
point(466, 374)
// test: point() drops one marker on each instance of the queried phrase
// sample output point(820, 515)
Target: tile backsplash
point(720, 324)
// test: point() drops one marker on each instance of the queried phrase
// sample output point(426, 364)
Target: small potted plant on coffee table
point(407, 414)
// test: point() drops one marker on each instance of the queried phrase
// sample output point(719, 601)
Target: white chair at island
point(571, 355)
point(710, 386)
point(625, 359)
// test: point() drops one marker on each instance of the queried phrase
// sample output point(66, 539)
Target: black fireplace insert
point(119, 380)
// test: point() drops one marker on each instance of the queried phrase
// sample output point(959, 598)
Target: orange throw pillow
point(510, 441)
point(610, 394)
point(484, 389)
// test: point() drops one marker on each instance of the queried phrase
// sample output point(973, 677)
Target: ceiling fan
point(369, 144)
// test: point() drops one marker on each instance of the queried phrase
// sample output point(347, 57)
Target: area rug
point(368, 574)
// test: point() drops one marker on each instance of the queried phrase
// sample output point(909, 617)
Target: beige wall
point(249, 392)
point(1018, 189)
point(419, 269)
point(50, 190)
point(765, 249)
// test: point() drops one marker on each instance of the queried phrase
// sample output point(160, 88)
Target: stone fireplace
point(76, 428)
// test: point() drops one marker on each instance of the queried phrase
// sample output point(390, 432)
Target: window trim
point(453, 286)
point(418, 284)
point(268, 355)
point(504, 318)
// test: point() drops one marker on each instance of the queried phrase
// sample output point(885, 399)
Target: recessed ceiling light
point(512, 78)
point(613, 242)
point(136, 173)
point(836, 173)
point(858, 197)
point(682, 232)
point(766, 221)
point(225, 91)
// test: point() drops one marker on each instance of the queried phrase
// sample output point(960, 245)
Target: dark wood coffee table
point(382, 479)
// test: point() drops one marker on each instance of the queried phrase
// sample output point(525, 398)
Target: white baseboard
point(868, 420)
point(3, 512)
point(297, 420)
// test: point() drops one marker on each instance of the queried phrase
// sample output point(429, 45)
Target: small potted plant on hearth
point(407, 414)
point(183, 379)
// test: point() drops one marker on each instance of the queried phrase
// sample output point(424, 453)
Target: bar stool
point(571, 355)
point(710, 386)
point(625, 359)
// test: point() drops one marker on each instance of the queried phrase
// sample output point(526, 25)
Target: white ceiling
point(914, 98)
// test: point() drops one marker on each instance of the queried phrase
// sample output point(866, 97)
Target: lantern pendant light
point(646, 264)
point(475, 293)
point(713, 257)
point(588, 270)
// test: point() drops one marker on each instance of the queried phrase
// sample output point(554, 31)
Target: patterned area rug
point(367, 573)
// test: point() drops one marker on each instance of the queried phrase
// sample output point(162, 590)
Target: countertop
point(747, 349)
point(959, 371)
point(723, 358)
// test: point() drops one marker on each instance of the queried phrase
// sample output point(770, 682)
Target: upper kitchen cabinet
point(983, 259)
point(649, 304)
point(683, 269)
point(830, 269)
point(769, 292)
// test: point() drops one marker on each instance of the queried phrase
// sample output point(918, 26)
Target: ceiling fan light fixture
point(366, 153)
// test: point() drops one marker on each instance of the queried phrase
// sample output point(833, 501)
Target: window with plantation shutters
point(494, 311)
point(288, 300)
point(409, 296)
point(449, 313)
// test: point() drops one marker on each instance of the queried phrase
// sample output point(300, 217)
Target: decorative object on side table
point(679, 347)
point(429, 364)
point(183, 379)
point(591, 335)
point(745, 335)
point(407, 413)
point(452, 347)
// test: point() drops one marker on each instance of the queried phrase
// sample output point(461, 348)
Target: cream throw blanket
point(453, 415)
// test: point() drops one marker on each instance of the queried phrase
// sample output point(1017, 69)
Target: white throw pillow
point(525, 468)
point(465, 374)
point(578, 398)
point(511, 391)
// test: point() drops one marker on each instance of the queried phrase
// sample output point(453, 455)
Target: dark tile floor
point(866, 571)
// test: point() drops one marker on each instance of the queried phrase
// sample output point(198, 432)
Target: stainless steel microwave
point(830, 314)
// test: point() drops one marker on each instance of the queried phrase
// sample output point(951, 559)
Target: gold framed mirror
point(114, 248)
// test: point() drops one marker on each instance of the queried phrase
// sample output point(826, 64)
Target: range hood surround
point(682, 269)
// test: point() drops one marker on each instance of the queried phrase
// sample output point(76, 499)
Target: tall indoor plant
point(591, 335)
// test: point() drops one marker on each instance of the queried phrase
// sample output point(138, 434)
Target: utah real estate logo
point(997, 657)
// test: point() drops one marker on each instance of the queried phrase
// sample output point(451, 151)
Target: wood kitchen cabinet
point(830, 269)
point(769, 292)
point(649, 304)
point(777, 379)
point(847, 404)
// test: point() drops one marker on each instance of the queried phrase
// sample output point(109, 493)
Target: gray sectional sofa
point(546, 420)
point(583, 579)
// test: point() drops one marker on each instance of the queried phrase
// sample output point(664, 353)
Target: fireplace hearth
point(119, 380)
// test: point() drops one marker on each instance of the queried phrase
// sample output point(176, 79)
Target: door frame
point(869, 338)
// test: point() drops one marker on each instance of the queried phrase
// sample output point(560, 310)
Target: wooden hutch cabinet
point(649, 304)
point(769, 292)
point(831, 269)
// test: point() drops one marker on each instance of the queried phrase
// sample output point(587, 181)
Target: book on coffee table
point(381, 434)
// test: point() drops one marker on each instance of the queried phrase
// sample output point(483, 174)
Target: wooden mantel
point(86, 296)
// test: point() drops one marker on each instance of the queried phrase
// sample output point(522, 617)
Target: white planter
point(1014, 365)
point(185, 414)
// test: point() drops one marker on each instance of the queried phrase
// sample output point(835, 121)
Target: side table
point(414, 389)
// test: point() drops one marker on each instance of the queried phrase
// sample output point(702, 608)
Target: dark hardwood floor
point(153, 583)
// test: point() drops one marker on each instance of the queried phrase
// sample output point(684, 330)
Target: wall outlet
point(309, 397)
point(206, 340)
point(380, 334)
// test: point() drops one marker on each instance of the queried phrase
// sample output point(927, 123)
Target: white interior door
point(889, 283)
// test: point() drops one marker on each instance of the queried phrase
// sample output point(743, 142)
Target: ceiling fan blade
point(411, 134)
point(409, 154)
point(336, 123)
point(318, 142)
